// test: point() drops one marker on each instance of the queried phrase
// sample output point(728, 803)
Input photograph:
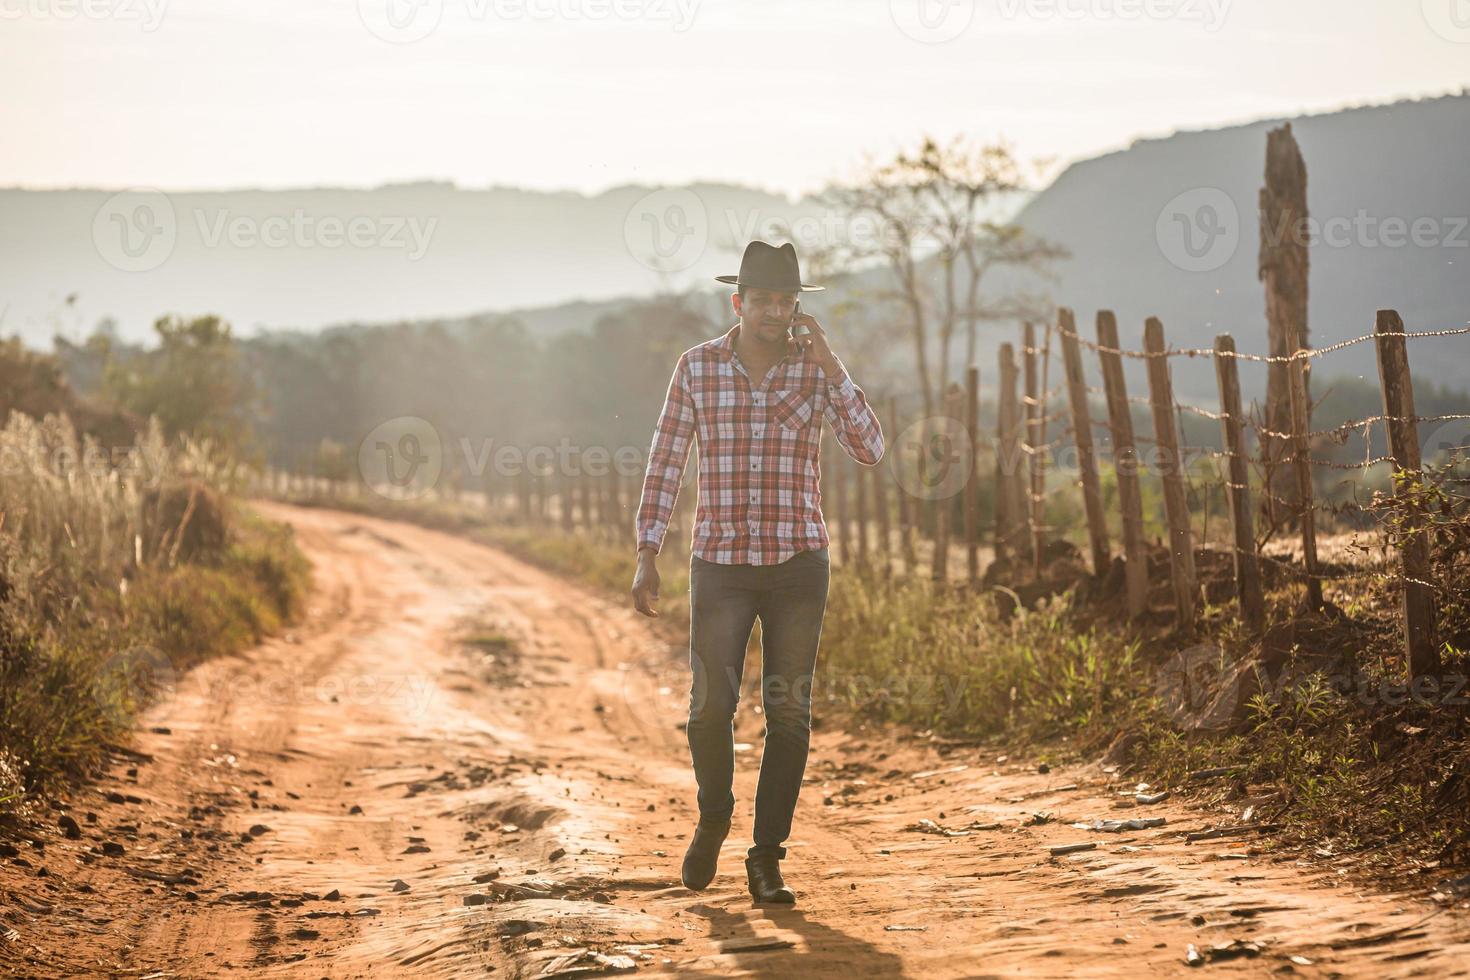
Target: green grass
point(940, 657)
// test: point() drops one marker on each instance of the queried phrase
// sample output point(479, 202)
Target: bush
point(111, 580)
point(184, 520)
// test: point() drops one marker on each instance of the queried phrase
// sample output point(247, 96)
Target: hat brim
point(735, 281)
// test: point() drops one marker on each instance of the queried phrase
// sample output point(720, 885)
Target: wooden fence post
point(611, 504)
point(602, 502)
point(880, 474)
point(523, 492)
point(1301, 423)
point(860, 484)
point(615, 501)
point(634, 495)
point(1007, 458)
point(838, 474)
point(1035, 458)
point(619, 505)
point(1283, 265)
point(944, 504)
point(921, 510)
point(599, 502)
point(972, 482)
point(1125, 464)
point(1403, 438)
point(1171, 471)
point(488, 486)
point(1097, 529)
point(1232, 425)
point(905, 505)
point(584, 499)
point(565, 499)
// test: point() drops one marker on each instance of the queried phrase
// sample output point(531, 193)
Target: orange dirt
point(553, 768)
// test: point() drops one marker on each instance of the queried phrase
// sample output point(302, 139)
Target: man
point(755, 398)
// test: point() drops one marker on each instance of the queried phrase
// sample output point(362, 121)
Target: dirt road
point(374, 795)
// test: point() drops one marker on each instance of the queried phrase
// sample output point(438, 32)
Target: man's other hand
point(645, 583)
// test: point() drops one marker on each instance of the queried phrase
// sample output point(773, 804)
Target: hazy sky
point(587, 94)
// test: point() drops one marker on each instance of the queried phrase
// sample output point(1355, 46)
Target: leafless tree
point(937, 217)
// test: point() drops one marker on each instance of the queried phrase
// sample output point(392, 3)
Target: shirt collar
point(724, 346)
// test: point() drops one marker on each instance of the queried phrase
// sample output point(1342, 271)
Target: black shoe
point(763, 872)
point(703, 854)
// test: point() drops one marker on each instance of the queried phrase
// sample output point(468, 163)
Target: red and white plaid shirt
point(760, 498)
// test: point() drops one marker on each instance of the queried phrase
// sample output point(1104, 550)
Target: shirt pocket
point(792, 409)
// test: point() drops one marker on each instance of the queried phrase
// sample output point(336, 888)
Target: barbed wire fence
point(1046, 444)
point(1192, 472)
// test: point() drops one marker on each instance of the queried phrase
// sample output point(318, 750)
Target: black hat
point(765, 266)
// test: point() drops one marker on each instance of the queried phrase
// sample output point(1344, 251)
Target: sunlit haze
point(590, 94)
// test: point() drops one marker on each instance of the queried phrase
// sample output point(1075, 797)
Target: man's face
point(767, 314)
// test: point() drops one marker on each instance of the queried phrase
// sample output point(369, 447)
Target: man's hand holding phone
point(798, 328)
point(812, 340)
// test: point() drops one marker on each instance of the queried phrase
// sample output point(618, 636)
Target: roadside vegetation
point(124, 558)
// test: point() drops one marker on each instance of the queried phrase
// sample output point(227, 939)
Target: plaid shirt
point(759, 450)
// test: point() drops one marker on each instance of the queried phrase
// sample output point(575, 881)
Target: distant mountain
point(1375, 174)
point(1166, 227)
point(316, 256)
point(1372, 173)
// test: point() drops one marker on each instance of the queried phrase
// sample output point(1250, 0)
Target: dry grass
point(115, 572)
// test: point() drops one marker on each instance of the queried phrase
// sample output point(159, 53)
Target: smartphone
point(800, 330)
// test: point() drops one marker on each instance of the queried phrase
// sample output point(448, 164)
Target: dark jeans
point(725, 600)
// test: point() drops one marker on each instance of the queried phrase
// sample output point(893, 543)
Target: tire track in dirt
point(556, 774)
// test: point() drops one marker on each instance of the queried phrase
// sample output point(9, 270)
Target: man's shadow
point(822, 941)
